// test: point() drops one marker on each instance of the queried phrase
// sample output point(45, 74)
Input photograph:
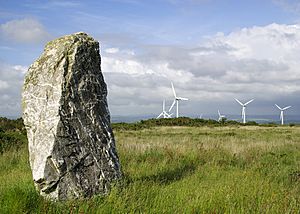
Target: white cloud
point(20, 68)
point(257, 62)
point(26, 30)
point(260, 62)
point(274, 41)
point(3, 85)
point(112, 50)
point(11, 81)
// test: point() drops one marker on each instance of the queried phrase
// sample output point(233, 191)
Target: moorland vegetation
point(174, 166)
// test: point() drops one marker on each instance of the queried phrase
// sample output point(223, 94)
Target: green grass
point(230, 169)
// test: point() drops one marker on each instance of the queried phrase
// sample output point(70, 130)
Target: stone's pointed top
point(77, 34)
point(81, 33)
point(80, 37)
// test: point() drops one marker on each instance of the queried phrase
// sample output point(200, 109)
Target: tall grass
point(233, 169)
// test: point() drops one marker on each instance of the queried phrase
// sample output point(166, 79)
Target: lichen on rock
point(71, 143)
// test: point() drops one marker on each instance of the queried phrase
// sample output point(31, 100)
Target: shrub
point(181, 121)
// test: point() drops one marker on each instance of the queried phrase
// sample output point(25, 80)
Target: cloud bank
point(11, 81)
point(257, 62)
point(27, 30)
point(260, 62)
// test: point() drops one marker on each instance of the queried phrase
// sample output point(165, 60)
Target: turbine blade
point(285, 108)
point(173, 89)
point(167, 115)
point(182, 98)
point(278, 107)
point(239, 102)
point(248, 102)
point(160, 115)
point(172, 105)
point(219, 113)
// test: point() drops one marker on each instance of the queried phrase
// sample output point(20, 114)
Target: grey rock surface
point(71, 143)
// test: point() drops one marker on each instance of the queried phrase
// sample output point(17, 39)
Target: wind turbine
point(164, 113)
point(176, 100)
point(220, 116)
point(281, 112)
point(244, 108)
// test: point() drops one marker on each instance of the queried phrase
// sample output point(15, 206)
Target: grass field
point(230, 169)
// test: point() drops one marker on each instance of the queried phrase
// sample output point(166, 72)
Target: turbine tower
point(220, 116)
point(281, 112)
point(164, 113)
point(176, 100)
point(244, 108)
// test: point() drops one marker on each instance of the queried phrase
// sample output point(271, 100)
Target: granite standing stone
point(71, 143)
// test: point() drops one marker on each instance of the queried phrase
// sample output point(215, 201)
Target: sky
point(212, 50)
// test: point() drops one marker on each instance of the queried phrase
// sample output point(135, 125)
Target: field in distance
point(176, 169)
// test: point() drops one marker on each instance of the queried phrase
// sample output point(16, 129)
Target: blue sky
point(213, 51)
point(147, 22)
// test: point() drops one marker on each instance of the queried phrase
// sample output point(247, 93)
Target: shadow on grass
point(170, 175)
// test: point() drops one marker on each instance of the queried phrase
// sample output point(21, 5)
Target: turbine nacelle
point(181, 98)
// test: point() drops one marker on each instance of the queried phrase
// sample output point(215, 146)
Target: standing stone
point(71, 143)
